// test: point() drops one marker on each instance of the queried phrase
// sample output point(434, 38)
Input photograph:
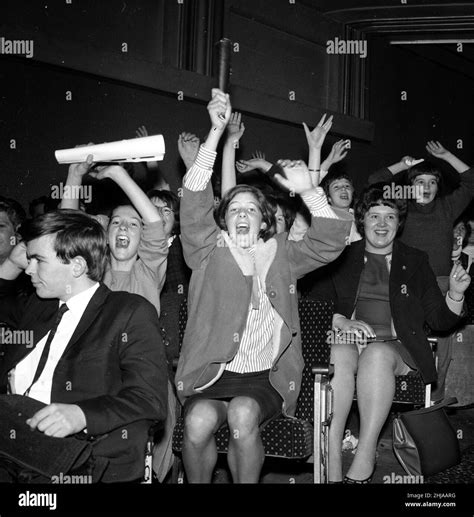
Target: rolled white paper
point(146, 149)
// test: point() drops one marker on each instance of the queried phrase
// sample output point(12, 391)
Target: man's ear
point(263, 226)
point(79, 266)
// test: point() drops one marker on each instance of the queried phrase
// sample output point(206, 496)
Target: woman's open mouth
point(122, 241)
point(242, 228)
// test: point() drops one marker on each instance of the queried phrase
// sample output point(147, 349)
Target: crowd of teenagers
point(241, 250)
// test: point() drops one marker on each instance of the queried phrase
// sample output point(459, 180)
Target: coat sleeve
point(153, 251)
point(381, 176)
point(437, 313)
point(199, 231)
point(457, 201)
point(323, 242)
point(142, 362)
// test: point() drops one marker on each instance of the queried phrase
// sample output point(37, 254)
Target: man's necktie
point(47, 346)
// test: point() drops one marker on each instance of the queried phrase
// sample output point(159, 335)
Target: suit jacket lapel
point(90, 314)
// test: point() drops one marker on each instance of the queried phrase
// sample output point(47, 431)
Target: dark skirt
point(255, 385)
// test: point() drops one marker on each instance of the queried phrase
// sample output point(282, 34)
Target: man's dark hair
point(379, 195)
point(77, 234)
point(14, 211)
point(268, 215)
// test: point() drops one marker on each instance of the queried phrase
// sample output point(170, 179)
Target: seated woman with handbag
point(386, 291)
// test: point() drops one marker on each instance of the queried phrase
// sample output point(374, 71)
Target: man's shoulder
point(123, 301)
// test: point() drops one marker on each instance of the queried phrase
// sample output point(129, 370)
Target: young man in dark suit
point(88, 366)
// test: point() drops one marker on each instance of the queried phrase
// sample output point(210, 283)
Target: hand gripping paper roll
point(146, 149)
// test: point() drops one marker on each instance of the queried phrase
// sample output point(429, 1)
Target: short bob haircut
point(288, 209)
point(376, 195)
point(77, 234)
point(171, 200)
point(425, 167)
point(268, 215)
point(331, 178)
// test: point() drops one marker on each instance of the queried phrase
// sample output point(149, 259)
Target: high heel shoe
point(349, 481)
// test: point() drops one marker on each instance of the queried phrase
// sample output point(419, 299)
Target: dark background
point(281, 49)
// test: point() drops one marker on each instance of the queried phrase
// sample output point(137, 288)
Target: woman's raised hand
point(298, 178)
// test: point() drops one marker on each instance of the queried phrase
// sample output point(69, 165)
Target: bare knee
point(345, 357)
point(200, 422)
point(243, 417)
point(380, 356)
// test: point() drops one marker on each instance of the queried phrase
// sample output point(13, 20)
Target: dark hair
point(171, 200)
point(287, 207)
point(379, 195)
point(425, 167)
point(14, 211)
point(465, 221)
point(268, 214)
point(77, 234)
point(331, 178)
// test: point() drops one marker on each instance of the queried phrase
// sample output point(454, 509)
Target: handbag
point(424, 441)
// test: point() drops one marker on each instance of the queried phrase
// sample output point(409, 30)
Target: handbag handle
point(447, 402)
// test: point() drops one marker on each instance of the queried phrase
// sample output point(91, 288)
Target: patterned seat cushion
point(409, 389)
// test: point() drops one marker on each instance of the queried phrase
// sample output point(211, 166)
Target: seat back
point(315, 322)
point(183, 319)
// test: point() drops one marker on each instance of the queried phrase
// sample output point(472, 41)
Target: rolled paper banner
point(225, 46)
point(146, 149)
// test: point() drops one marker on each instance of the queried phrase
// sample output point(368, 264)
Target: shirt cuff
point(198, 176)
point(317, 203)
point(453, 305)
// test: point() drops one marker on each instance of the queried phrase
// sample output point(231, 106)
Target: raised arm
point(438, 151)
point(188, 147)
point(161, 183)
point(330, 227)
point(147, 210)
point(199, 231)
point(386, 173)
point(75, 175)
point(338, 152)
point(315, 139)
point(235, 130)
point(257, 162)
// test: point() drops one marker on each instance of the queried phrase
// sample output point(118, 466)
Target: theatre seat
point(294, 438)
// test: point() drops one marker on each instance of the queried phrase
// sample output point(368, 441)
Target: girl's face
point(380, 227)
point(280, 221)
point(429, 184)
point(459, 232)
point(167, 214)
point(341, 193)
point(244, 219)
point(124, 233)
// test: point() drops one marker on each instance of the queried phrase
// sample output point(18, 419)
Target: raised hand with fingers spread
point(316, 137)
point(188, 147)
point(235, 128)
point(438, 151)
point(298, 179)
point(141, 132)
